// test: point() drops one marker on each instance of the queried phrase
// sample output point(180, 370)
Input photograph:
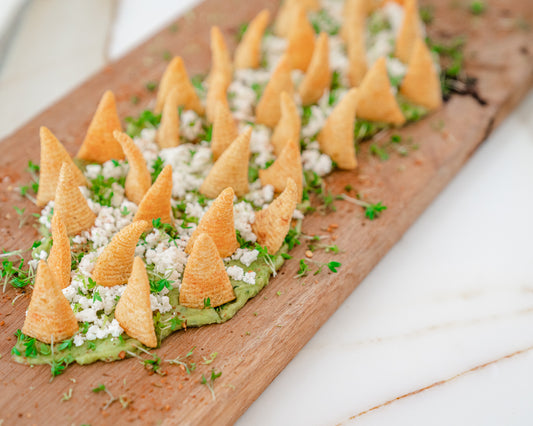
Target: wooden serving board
point(268, 332)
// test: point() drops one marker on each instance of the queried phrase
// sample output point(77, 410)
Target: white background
point(455, 293)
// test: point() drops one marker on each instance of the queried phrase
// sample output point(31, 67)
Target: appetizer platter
point(221, 217)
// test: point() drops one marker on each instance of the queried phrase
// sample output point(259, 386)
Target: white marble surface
point(455, 293)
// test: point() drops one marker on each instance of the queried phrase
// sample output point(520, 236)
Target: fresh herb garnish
point(211, 382)
point(146, 119)
point(189, 367)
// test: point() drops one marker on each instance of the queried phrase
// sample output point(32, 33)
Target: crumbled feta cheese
point(190, 125)
point(235, 272)
point(260, 145)
point(244, 216)
point(249, 277)
point(319, 163)
point(245, 256)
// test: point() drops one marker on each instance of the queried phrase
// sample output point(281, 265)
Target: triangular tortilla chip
point(301, 41)
point(138, 180)
point(113, 266)
point(49, 317)
point(156, 202)
point(224, 130)
point(357, 65)
point(216, 92)
point(220, 57)
point(134, 311)
point(409, 32)
point(354, 16)
point(376, 102)
point(59, 259)
point(272, 224)
point(285, 16)
point(248, 52)
point(175, 76)
point(287, 165)
point(268, 110)
point(336, 138)
point(288, 126)
point(168, 133)
point(71, 204)
point(99, 144)
point(218, 223)
point(53, 155)
point(318, 76)
point(421, 83)
point(205, 277)
point(231, 169)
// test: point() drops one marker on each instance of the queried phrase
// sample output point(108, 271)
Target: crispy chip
point(168, 133)
point(59, 258)
point(287, 165)
point(205, 277)
point(409, 33)
point(156, 202)
point(220, 57)
point(248, 52)
point(231, 169)
point(288, 126)
point(336, 138)
point(134, 311)
point(216, 93)
point(301, 42)
point(376, 102)
point(99, 144)
point(175, 76)
point(218, 223)
point(421, 83)
point(318, 76)
point(113, 266)
point(49, 317)
point(354, 16)
point(268, 110)
point(285, 16)
point(138, 179)
point(357, 65)
point(272, 224)
point(224, 130)
point(53, 155)
point(71, 204)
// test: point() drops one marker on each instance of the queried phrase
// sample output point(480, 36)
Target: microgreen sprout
point(210, 383)
point(182, 360)
point(372, 211)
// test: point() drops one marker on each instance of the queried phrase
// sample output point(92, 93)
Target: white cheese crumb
point(235, 272)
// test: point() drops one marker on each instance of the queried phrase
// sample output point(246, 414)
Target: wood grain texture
point(268, 332)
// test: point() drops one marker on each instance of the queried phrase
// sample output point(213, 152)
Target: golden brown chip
point(272, 224)
point(156, 202)
point(421, 83)
point(285, 16)
point(301, 41)
point(336, 138)
point(49, 317)
point(357, 65)
point(53, 155)
point(216, 93)
point(175, 76)
point(288, 126)
point(231, 169)
point(287, 165)
point(71, 204)
point(59, 260)
point(409, 32)
point(168, 133)
point(318, 76)
point(138, 179)
point(218, 223)
point(248, 52)
point(354, 16)
point(268, 110)
point(205, 281)
point(376, 102)
point(134, 311)
point(224, 130)
point(99, 144)
point(113, 266)
point(220, 57)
